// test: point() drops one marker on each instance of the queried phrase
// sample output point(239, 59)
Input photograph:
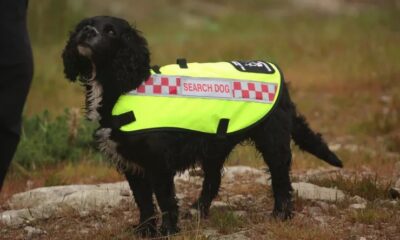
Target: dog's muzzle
point(87, 38)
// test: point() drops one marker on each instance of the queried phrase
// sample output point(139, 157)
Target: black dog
point(111, 58)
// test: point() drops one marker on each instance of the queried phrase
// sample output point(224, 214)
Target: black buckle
point(222, 127)
point(182, 62)
point(156, 69)
point(118, 121)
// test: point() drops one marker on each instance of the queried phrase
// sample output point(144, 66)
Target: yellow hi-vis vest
point(215, 98)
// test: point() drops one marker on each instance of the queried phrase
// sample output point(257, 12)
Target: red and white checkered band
point(254, 90)
point(159, 85)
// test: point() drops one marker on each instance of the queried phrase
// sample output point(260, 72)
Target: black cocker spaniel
point(111, 58)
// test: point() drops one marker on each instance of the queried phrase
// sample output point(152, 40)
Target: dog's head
point(107, 46)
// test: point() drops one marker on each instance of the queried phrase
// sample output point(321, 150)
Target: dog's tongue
point(85, 51)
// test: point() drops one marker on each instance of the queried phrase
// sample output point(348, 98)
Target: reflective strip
point(183, 86)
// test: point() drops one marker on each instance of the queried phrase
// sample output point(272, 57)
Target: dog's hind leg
point(273, 141)
point(143, 194)
point(163, 185)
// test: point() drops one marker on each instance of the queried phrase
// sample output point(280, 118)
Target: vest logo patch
point(253, 66)
point(177, 86)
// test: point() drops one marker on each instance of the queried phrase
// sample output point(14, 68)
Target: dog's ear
point(132, 63)
point(74, 63)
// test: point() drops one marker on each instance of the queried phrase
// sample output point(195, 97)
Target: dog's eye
point(111, 32)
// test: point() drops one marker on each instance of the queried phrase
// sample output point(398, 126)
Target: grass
point(368, 187)
point(226, 221)
point(371, 216)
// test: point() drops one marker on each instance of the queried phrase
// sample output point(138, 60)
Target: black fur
point(122, 64)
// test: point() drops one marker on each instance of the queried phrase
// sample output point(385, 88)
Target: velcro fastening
point(182, 62)
point(118, 121)
point(222, 127)
point(156, 69)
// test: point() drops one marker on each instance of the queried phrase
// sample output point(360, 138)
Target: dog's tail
point(312, 142)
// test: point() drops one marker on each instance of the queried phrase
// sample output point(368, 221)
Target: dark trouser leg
point(163, 185)
point(143, 194)
point(14, 85)
point(8, 146)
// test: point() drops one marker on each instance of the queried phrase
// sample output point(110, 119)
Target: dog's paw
point(169, 230)
point(282, 215)
point(145, 229)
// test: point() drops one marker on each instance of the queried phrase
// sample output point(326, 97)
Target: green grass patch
point(46, 140)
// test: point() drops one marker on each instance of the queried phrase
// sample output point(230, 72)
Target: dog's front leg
point(211, 183)
point(143, 194)
point(163, 185)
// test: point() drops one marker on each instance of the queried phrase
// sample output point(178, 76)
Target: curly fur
point(121, 59)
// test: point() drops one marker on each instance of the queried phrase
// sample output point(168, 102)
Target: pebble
point(33, 232)
point(358, 206)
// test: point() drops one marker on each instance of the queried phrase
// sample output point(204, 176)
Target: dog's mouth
point(85, 50)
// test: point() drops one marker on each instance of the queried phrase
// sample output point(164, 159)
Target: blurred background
point(341, 58)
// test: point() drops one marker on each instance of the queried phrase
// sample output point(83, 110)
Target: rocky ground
point(241, 211)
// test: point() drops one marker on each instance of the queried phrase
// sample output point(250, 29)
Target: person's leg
point(14, 86)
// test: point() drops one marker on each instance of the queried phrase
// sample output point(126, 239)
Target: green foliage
point(51, 141)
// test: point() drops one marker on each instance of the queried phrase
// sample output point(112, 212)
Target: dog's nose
point(89, 32)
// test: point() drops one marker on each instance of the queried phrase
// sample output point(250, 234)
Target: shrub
point(50, 141)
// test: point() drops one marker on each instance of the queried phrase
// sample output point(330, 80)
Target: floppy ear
point(74, 63)
point(132, 63)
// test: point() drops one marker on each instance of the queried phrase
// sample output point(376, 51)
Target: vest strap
point(222, 127)
point(182, 62)
point(156, 69)
point(122, 119)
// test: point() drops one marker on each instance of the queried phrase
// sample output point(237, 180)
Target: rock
point(180, 196)
point(237, 199)
point(231, 173)
point(219, 204)
point(358, 206)
point(43, 203)
point(125, 192)
point(358, 199)
point(314, 211)
point(81, 193)
point(264, 180)
point(313, 192)
point(234, 236)
point(323, 205)
point(33, 232)
point(210, 232)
